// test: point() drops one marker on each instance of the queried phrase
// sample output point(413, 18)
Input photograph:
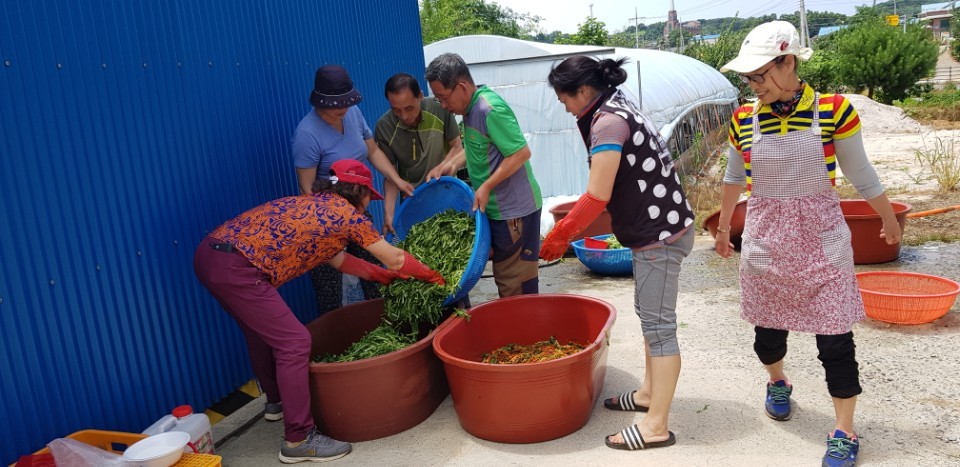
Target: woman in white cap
point(796, 263)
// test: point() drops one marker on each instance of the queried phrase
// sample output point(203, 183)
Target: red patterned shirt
point(289, 236)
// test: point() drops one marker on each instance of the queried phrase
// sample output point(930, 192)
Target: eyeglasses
point(759, 77)
point(441, 99)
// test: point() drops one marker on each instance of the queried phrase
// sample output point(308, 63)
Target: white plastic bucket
point(182, 418)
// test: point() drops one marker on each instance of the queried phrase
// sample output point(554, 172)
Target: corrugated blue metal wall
point(128, 130)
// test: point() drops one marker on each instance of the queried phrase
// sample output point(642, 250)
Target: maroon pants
point(279, 344)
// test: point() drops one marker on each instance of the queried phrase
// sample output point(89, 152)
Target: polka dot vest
point(648, 204)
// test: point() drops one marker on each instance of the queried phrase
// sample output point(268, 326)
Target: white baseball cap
point(765, 43)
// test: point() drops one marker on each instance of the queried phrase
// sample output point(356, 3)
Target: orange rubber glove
point(586, 210)
point(414, 268)
point(368, 271)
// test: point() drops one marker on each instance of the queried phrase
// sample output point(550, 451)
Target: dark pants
point(278, 343)
point(328, 282)
point(516, 246)
point(837, 354)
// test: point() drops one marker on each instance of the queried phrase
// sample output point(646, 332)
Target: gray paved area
point(909, 413)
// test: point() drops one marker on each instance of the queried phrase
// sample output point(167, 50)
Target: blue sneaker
point(842, 450)
point(778, 400)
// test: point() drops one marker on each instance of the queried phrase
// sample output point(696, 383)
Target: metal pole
point(636, 28)
point(803, 25)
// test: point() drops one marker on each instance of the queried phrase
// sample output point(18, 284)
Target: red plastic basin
point(865, 225)
point(600, 226)
point(534, 402)
point(375, 397)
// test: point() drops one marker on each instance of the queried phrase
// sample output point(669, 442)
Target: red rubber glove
point(586, 210)
point(413, 267)
point(368, 271)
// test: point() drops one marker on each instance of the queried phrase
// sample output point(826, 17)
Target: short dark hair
point(399, 82)
point(353, 192)
point(580, 70)
point(448, 69)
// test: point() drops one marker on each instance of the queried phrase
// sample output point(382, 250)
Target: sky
point(565, 15)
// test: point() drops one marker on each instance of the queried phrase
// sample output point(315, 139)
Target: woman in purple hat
point(336, 130)
point(245, 260)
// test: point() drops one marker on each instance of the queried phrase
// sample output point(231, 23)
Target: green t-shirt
point(491, 134)
point(415, 151)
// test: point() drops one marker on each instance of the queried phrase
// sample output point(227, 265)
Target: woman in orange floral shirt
point(243, 261)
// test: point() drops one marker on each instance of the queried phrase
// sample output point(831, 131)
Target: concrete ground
point(909, 413)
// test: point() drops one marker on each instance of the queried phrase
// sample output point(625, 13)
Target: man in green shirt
point(416, 134)
point(498, 160)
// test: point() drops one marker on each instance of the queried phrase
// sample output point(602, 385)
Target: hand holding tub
point(368, 271)
point(586, 210)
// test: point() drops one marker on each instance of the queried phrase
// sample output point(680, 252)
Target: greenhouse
point(683, 96)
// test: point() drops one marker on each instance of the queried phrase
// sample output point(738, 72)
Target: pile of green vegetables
point(443, 242)
point(612, 242)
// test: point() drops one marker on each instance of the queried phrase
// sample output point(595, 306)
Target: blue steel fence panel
point(128, 130)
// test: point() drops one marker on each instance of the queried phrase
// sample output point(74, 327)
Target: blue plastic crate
point(434, 197)
point(610, 262)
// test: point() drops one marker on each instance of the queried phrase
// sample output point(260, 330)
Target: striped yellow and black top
point(838, 120)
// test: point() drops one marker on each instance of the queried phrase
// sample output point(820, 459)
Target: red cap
point(353, 171)
point(182, 411)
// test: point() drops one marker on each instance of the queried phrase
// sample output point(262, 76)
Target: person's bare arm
point(380, 161)
point(305, 179)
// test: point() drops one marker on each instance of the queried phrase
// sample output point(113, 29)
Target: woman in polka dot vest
point(632, 176)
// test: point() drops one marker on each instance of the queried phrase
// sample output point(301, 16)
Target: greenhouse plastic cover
point(669, 86)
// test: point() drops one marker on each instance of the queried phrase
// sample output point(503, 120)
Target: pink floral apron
point(796, 262)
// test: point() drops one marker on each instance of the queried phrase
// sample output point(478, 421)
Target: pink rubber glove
point(586, 210)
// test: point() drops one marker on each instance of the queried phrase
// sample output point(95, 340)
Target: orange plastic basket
point(118, 441)
point(906, 297)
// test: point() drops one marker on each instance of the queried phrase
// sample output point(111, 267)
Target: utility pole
point(636, 28)
point(803, 25)
point(591, 10)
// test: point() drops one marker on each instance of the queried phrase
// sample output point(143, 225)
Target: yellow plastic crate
point(118, 441)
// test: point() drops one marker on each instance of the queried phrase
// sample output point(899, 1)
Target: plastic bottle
point(182, 418)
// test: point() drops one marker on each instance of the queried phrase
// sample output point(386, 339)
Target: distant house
point(829, 30)
point(706, 38)
point(936, 16)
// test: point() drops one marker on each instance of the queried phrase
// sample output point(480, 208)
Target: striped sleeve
point(845, 118)
point(608, 133)
point(734, 132)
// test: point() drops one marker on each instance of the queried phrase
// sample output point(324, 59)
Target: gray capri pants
point(656, 270)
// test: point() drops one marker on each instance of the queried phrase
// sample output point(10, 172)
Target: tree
point(440, 19)
point(720, 52)
point(590, 32)
point(895, 61)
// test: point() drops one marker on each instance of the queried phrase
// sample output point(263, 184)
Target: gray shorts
point(656, 270)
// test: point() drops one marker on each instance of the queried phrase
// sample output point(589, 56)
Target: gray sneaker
point(316, 448)
point(273, 412)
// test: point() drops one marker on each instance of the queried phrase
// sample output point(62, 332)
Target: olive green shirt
point(415, 151)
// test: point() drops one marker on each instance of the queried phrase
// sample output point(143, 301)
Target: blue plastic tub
point(609, 262)
point(434, 197)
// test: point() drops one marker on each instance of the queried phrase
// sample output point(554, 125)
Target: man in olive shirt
point(416, 134)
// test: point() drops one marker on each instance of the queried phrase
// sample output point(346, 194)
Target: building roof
point(931, 7)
